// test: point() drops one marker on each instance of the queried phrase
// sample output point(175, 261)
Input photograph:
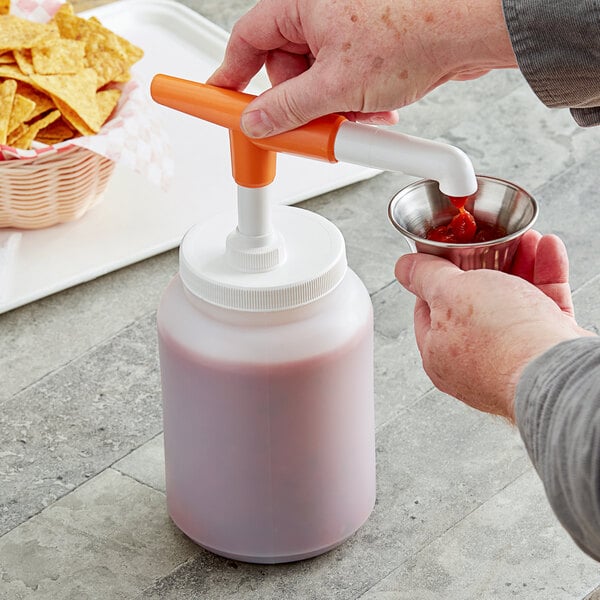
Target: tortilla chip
point(16, 134)
point(59, 57)
point(109, 64)
point(106, 52)
point(95, 36)
point(107, 101)
point(17, 33)
point(42, 102)
point(13, 72)
point(51, 33)
point(77, 91)
point(31, 131)
point(65, 10)
point(23, 58)
point(63, 71)
point(72, 118)
point(124, 77)
point(132, 52)
point(58, 131)
point(22, 110)
point(8, 90)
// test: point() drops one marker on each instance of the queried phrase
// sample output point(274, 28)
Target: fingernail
point(404, 269)
point(380, 121)
point(256, 123)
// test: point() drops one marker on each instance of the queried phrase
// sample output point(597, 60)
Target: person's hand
point(363, 58)
point(477, 330)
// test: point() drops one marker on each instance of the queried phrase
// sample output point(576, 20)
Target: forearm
point(557, 45)
point(557, 409)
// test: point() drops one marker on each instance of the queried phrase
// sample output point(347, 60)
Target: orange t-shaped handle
point(252, 160)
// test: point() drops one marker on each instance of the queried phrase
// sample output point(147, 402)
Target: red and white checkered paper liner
point(40, 11)
point(134, 137)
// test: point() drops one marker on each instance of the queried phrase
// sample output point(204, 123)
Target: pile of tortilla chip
point(58, 79)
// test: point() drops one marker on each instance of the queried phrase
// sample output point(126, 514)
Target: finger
point(551, 274)
point(240, 63)
point(248, 47)
point(560, 294)
point(374, 118)
point(282, 66)
point(551, 262)
point(423, 274)
point(524, 261)
point(468, 74)
point(292, 103)
point(422, 323)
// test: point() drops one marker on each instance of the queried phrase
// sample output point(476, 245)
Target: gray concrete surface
point(460, 512)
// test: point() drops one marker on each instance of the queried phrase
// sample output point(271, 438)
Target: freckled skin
point(386, 17)
point(391, 24)
point(399, 51)
point(476, 330)
point(378, 62)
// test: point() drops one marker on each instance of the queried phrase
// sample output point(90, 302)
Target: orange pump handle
point(253, 160)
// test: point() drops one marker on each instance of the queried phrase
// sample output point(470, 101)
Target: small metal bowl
point(421, 206)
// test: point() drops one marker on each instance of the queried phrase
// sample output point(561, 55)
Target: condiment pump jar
point(266, 346)
point(267, 377)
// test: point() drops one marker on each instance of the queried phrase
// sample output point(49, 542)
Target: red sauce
point(463, 229)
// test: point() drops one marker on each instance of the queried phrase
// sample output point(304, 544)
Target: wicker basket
point(52, 189)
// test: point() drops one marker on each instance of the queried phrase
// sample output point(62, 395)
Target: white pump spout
point(254, 247)
point(392, 151)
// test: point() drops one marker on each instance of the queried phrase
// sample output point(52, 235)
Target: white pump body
point(255, 247)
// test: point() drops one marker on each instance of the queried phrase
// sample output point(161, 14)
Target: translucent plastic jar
point(268, 412)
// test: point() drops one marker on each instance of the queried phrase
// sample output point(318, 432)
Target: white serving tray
point(137, 220)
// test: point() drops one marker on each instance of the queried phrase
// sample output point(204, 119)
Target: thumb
point(287, 105)
point(551, 272)
point(422, 274)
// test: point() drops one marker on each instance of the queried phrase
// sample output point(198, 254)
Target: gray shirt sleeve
point(557, 410)
point(557, 45)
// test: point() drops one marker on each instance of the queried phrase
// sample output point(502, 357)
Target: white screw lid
point(314, 263)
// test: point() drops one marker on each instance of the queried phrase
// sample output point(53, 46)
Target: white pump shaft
point(254, 211)
point(371, 146)
point(254, 247)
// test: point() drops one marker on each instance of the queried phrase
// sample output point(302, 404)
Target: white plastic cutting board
point(137, 220)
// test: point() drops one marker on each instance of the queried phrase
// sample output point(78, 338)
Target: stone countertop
point(460, 512)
